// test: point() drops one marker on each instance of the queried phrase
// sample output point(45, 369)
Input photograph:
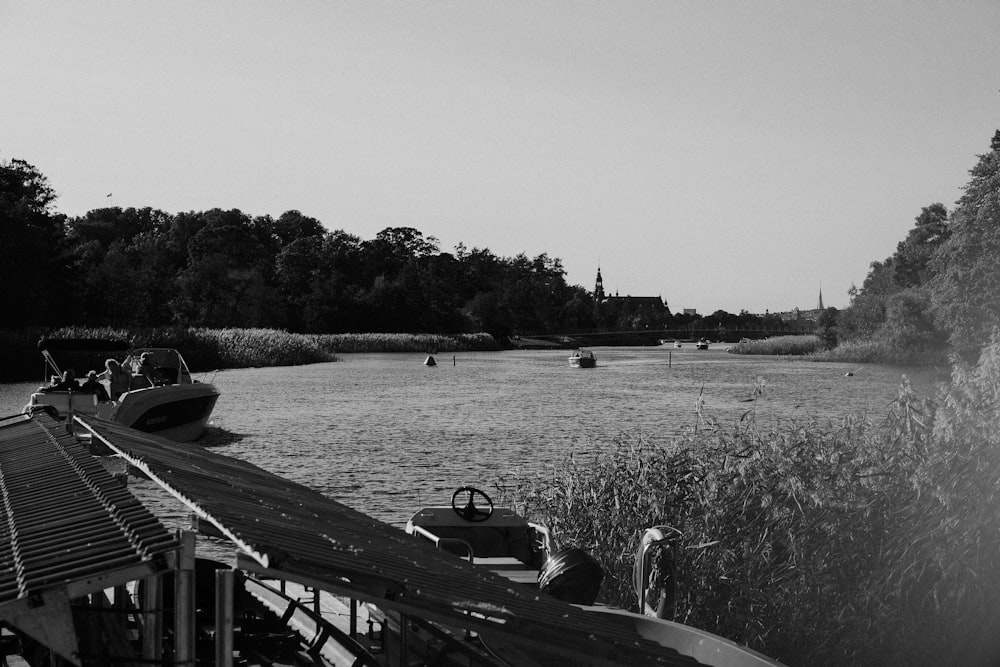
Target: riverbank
point(854, 352)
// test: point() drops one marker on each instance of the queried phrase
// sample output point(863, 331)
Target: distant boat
point(677, 343)
point(701, 344)
point(582, 359)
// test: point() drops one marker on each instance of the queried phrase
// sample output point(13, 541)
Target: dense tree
point(826, 327)
point(31, 248)
point(893, 302)
point(966, 286)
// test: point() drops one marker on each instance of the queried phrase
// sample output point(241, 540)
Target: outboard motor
point(571, 575)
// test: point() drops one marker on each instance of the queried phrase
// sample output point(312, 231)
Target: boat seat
point(65, 401)
point(491, 541)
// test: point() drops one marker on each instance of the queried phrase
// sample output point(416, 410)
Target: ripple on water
point(385, 434)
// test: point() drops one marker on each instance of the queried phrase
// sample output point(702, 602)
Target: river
point(386, 434)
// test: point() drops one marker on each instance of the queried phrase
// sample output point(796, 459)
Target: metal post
point(152, 619)
point(184, 600)
point(354, 618)
point(224, 617)
point(404, 639)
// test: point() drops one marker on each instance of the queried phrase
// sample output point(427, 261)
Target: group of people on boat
point(68, 382)
point(119, 380)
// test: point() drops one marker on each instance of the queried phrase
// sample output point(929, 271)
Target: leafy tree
point(31, 247)
point(966, 286)
point(913, 254)
point(292, 226)
point(826, 327)
point(909, 326)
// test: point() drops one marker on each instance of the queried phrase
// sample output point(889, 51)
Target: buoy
point(429, 361)
point(848, 374)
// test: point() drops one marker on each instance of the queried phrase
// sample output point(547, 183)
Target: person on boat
point(145, 369)
point(92, 386)
point(67, 383)
point(118, 378)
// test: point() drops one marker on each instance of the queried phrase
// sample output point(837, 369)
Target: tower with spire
point(599, 287)
point(820, 306)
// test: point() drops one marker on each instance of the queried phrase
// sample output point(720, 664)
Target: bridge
point(647, 336)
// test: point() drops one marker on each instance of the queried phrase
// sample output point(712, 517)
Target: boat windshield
point(167, 363)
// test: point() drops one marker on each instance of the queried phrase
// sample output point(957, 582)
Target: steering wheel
point(469, 511)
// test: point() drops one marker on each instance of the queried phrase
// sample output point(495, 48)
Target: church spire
point(599, 286)
point(820, 297)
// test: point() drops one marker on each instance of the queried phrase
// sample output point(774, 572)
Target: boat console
point(506, 543)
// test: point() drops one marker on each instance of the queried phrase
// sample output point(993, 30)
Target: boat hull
point(179, 412)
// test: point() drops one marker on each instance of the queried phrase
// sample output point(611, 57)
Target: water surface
point(385, 434)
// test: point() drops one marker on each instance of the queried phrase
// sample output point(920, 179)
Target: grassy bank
point(864, 542)
point(209, 349)
point(877, 351)
point(882, 352)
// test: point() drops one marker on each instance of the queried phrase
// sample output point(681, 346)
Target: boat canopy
point(83, 345)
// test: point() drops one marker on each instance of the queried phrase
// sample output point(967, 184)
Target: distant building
point(798, 315)
point(633, 301)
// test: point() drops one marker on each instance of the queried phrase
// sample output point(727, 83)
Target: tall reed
point(779, 345)
point(863, 542)
point(402, 342)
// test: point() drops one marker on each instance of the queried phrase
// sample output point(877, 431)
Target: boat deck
point(283, 531)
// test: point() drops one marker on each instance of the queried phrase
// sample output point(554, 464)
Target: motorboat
point(702, 344)
point(582, 359)
point(677, 343)
point(150, 390)
point(526, 553)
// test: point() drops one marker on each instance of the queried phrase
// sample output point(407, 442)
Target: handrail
point(654, 537)
point(442, 541)
point(548, 542)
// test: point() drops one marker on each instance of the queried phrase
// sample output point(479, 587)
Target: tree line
point(142, 267)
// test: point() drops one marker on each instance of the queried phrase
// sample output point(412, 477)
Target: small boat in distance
point(151, 390)
point(581, 359)
point(677, 343)
point(702, 344)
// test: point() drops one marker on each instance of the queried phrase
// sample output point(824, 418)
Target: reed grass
point(401, 342)
point(863, 542)
point(209, 349)
point(779, 345)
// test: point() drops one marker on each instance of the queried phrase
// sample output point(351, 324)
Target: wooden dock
point(94, 536)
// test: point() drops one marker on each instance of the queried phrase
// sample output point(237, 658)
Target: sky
point(724, 154)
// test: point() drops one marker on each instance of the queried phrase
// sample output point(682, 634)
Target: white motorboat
point(151, 390)
point(583, 359)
